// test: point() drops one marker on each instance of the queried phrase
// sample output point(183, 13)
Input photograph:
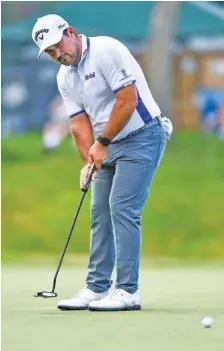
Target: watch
point(103, 141)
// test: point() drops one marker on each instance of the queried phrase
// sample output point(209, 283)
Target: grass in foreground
point(174, 302)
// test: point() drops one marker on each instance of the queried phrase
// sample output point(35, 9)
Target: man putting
point(116, 125)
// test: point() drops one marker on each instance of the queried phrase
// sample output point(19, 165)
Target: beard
point(73, 56)
point(63, 61)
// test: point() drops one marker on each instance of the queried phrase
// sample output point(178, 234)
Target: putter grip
point(89, 178)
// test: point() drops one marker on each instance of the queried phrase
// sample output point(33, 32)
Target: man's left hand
point(98, 153)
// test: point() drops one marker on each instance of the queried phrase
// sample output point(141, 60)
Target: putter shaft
point(84, 190)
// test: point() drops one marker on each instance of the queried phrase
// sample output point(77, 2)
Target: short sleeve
point(73, 109)
point(114, 63)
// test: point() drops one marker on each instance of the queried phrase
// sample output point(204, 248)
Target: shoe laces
point(114, 292)
point(83, 291)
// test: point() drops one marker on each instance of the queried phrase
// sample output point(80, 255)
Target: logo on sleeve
point(124, 74)
point(39, 34)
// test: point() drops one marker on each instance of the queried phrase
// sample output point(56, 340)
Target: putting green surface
point(174, 302)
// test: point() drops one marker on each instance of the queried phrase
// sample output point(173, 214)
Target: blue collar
point(85, 47)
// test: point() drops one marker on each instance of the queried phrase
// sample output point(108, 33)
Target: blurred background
point(180, 47)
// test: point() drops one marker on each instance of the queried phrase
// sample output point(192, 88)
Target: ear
point(70, 31)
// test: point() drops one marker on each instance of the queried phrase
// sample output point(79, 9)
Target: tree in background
point(162, 33)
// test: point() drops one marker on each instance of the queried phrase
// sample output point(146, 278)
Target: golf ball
point(207, 322)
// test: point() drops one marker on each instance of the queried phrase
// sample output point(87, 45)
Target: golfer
point(117, 125)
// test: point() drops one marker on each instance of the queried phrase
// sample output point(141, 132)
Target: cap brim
point(52, 41)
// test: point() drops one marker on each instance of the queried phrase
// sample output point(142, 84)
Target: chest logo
point(89, 76)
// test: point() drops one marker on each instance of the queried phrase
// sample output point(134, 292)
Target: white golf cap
point(48, 30)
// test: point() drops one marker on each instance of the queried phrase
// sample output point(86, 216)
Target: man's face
point(67, 51)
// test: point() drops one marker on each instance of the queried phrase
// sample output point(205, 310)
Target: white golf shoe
point(117, 300)
point(81, 300)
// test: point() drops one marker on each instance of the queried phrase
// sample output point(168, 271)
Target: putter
point(52, 293)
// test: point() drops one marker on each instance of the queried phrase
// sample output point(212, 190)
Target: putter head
point(45, 294)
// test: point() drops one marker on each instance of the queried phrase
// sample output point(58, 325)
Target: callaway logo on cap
point(48, 30)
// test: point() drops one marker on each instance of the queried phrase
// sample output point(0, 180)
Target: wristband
point(103, 141)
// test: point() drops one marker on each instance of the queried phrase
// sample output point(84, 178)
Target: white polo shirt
point(106, 67)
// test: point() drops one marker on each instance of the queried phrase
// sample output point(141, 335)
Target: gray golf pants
point(119, 193)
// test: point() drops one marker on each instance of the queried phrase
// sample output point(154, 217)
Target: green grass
point(183, 216)
point(175, 299)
